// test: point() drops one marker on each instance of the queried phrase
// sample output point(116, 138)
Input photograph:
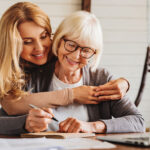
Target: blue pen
point(33, 106)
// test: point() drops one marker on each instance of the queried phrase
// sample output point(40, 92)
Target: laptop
point(135, 139)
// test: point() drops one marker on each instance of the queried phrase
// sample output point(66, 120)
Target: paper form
point(55, 144)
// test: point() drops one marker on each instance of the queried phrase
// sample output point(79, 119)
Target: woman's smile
point(71, 62)
point(39, 55)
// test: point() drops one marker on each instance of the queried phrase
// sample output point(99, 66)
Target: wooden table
point(118, 146)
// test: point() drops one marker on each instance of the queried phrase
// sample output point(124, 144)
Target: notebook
point(136, 139)
point(56, 135)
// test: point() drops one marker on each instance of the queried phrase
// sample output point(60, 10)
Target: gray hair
point(82, 26)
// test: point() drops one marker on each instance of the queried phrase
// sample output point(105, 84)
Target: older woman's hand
point(112, 90)
point(38, 119)
point(72, 125)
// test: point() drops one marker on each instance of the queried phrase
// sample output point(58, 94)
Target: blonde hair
point(11, 75)
point(83, 26)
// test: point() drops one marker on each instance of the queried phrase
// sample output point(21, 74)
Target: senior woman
point(78, 46)
point(25, 61)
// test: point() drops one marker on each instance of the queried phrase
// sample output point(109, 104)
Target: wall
point(125, 36)
point(124, 24)
point(56, 9)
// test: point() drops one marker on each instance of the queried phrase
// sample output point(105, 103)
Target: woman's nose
point(76, 54)
point(38, 46)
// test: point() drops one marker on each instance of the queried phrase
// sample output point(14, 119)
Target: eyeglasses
point(72, 46)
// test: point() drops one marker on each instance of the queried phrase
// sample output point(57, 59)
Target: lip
point(71, 62)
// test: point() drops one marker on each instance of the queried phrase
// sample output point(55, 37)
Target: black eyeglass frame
point(77, 46)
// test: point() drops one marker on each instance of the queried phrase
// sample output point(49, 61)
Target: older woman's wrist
point(99, 127)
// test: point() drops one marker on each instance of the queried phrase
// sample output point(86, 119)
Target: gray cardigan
point(118, 115)
point(11, 125)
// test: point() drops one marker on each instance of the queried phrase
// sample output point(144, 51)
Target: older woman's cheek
point(83, 63)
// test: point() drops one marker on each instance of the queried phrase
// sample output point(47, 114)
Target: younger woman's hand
point(113, 90)
point(85, 95)
point(38, 119)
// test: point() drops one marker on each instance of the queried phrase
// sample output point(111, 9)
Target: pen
point(33, 106)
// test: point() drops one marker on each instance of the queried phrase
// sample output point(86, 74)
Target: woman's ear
point(51, 36)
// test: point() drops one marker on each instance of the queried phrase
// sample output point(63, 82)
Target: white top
point(77, 111)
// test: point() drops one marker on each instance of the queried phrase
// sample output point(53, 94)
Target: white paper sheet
point(52, 144)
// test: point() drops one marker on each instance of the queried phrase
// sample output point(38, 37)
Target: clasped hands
point(113, 90)
point(38, 119)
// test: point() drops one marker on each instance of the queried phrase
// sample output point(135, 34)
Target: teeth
point(39, 55)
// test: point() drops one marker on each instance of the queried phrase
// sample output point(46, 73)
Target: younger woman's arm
point(82, 95)
point(15, 106)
